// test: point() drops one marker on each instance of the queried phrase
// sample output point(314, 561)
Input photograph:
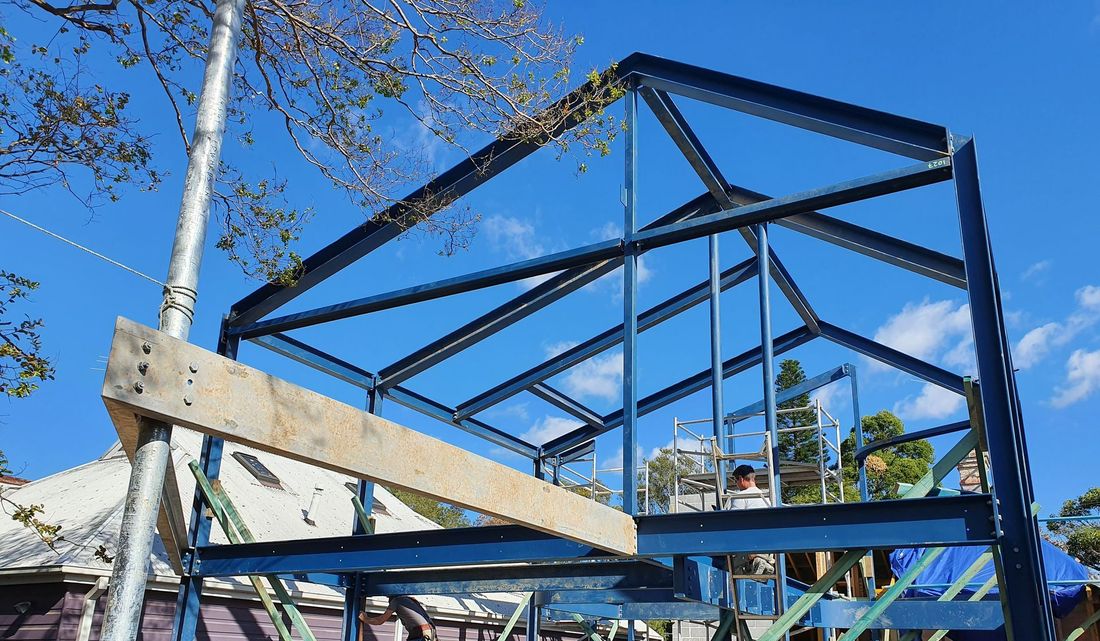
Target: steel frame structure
point(563, 571)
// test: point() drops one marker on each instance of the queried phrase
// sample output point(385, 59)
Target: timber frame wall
point(1000, 517)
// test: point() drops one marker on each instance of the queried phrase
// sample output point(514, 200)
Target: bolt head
point(194, 367)
point(139, 387)
point(143, 367)
point(146, 347)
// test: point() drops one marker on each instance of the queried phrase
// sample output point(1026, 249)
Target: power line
point(82, 248)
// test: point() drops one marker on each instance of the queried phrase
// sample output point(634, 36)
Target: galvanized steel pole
point(128, 577)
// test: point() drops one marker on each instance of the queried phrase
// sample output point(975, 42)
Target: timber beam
point(150, 374)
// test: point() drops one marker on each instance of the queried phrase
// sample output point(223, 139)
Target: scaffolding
point(709, 461)
point(576, 555)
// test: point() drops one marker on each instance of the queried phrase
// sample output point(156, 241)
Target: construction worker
point(748, 497)
point(414, 618)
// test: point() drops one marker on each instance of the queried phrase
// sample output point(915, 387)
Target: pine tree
point(795, 446)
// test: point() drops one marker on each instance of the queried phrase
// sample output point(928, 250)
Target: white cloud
point(553, 349)
point(1035, 345)
point(599, 377)
point(613, 282)
point(516, 411)
point(933, 402)
point(548, 428)
point(831, 396)
point(616, 459)
point(1082, 378)
point(1036, 271)
point(1040, 341)
point(517, 240)
point(929, 331)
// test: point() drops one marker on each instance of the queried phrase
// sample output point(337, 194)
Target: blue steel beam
point(889, 132)
point(525, 304)
point(429, 291)
point(312, 357)
point(437, 410)
point(694, 581)
point(926, 522)
point(782, 396)
point(849, 191)
point(459, 180)
point(566, 404)
point(602, 575)
point(956, 520)
point(894, 251)
point(862, 452)
point(670, 117)
point(892, 357)
point(897, 252)
point(605, 340)
point(1027, 604)
point(323, 362)
point(675, 392)
point(911, 615)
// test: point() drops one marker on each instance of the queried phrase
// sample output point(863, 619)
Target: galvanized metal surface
point(236, 402)
point(143, 513)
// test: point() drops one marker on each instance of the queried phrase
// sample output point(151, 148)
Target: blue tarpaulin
point(954, 561)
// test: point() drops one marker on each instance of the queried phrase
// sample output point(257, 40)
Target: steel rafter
point(676, 391)
point(605, 340)
point(669, 115)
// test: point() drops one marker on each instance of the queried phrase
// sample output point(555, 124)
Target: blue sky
point(1022, 79)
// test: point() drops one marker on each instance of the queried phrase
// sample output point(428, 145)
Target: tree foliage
point(22, 364)
point(1080, 539)
point(662, 478)
point(444, 514)
point(905, 463)
point(324, 73)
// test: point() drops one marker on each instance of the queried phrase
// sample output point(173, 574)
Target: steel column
point(1028, 613)
point(353, 594)
point(630, 309)
point(767, 362)
point(716, 380)
point(188, 598)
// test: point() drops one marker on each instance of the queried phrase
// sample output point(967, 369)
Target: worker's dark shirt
point(412, 615)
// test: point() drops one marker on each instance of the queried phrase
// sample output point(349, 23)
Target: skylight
point(258, 469)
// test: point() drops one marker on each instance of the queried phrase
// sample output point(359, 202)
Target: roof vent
point(258, 469)
point(307, 514)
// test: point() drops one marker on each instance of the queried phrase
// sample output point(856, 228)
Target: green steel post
point(964, 579)
point(614, 629)
point(230, 512)
point(879, 605)
point(846, 562)
point(724, 625)
point(589, 632)
point(1079, 630)
point(219, 513)
point(515, 615)
point(366, 520)
point(977, 596)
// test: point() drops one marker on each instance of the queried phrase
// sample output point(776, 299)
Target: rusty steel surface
point(192, 387)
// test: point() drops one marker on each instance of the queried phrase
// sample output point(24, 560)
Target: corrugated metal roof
point(87, 502)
